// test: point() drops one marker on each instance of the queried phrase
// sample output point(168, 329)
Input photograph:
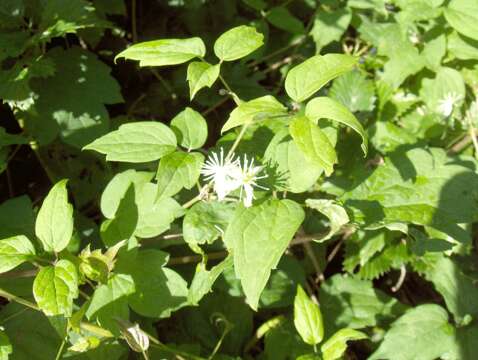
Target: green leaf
point(305, 79)
point(154, 216)
point(387, 136)
point(54, 224)
point(329, 26)
point(349, 302)
point(5, 346)
point(462, 47)
point(159, 290)
point(447, 82)
point(254, 110)
point(282, 342)
point(237, 43)
point(422, 187)
point(111, 300)
point(200, 75)
point(117, 187)
point(334, 348)
point(7, 139)
point(17, 217)
point(204, 222)
point(258, 237)
point(136, 142)
point(462, 15)
point(204, 279)
point(23, 324)
point(325, 107)
point(313, 143)
point(15, 251)
point(164, 52)
point(71, 103)
point(55, 287)
point(178, 170)
point(335, 213)
point(190, 128)
point(290, 164)
point(421, 333)
point(458, 290)
point(355, 91)
point(281, 18)
point(308, 318)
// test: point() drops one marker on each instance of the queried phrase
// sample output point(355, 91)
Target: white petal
point(249, 191)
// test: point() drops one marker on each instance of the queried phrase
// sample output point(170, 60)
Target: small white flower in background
point(218, 170)
point(247, 177)
point(228, 175)
point(446, 105)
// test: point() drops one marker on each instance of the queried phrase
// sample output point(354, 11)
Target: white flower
point(246, 176)
point(446, 105)
point(219, 171)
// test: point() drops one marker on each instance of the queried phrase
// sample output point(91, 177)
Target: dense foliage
point(238, 179)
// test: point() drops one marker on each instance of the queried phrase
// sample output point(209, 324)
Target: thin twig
point(401, 279)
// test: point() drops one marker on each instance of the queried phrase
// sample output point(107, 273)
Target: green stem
point(229, 90)
point(236, 142)
point(60, 350)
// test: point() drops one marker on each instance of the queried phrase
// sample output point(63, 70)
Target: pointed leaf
point(55, 287)
point(15, 251)
point(327, 108)
point(462, 15)
point(136, 142)
point(178, 170)
point(313, 143)
point(308, 318)
point(200, 75)
point(237, 43)
point(190, 128)
point(54, 224)
point(335, 213)
point(305, 79)
point(334, 348)
point(258, 236)
point(254, 110)
point(164, 52)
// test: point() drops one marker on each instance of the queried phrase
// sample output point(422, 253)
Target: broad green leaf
point(325, 107)
point(313, 143)
point(335, 213)
point(200, 75)
point(447, 84)
point(294, 171)
point(15, 251)
point(387, 136)
point(462, 15)
point(71, 102)
point(254, 110)
point(159, 290)
point(125, 221)
point(54, 224)
point(190, 128)
point(462, 47)
point(349, 302)
point(458, 290)
point(5, 346)
point(258, 236)
point(329, 25)
point(305, 79)
point(308, 318)
point(117, 187)
point(17, 217)
point(204, 279)
point(334, 348)
point(110, 300)
point(422, 187)
point(55, 287)
point(237, 43)
point(282, 342)
point(178, 170)
point(164, 52)
point(433, 52)
point(136, 142)
point(355, 91)
point(7, 139)
point(24, 324)
point(281, 18)
point(154, 216)
point(421, 333)
point(206, 221)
